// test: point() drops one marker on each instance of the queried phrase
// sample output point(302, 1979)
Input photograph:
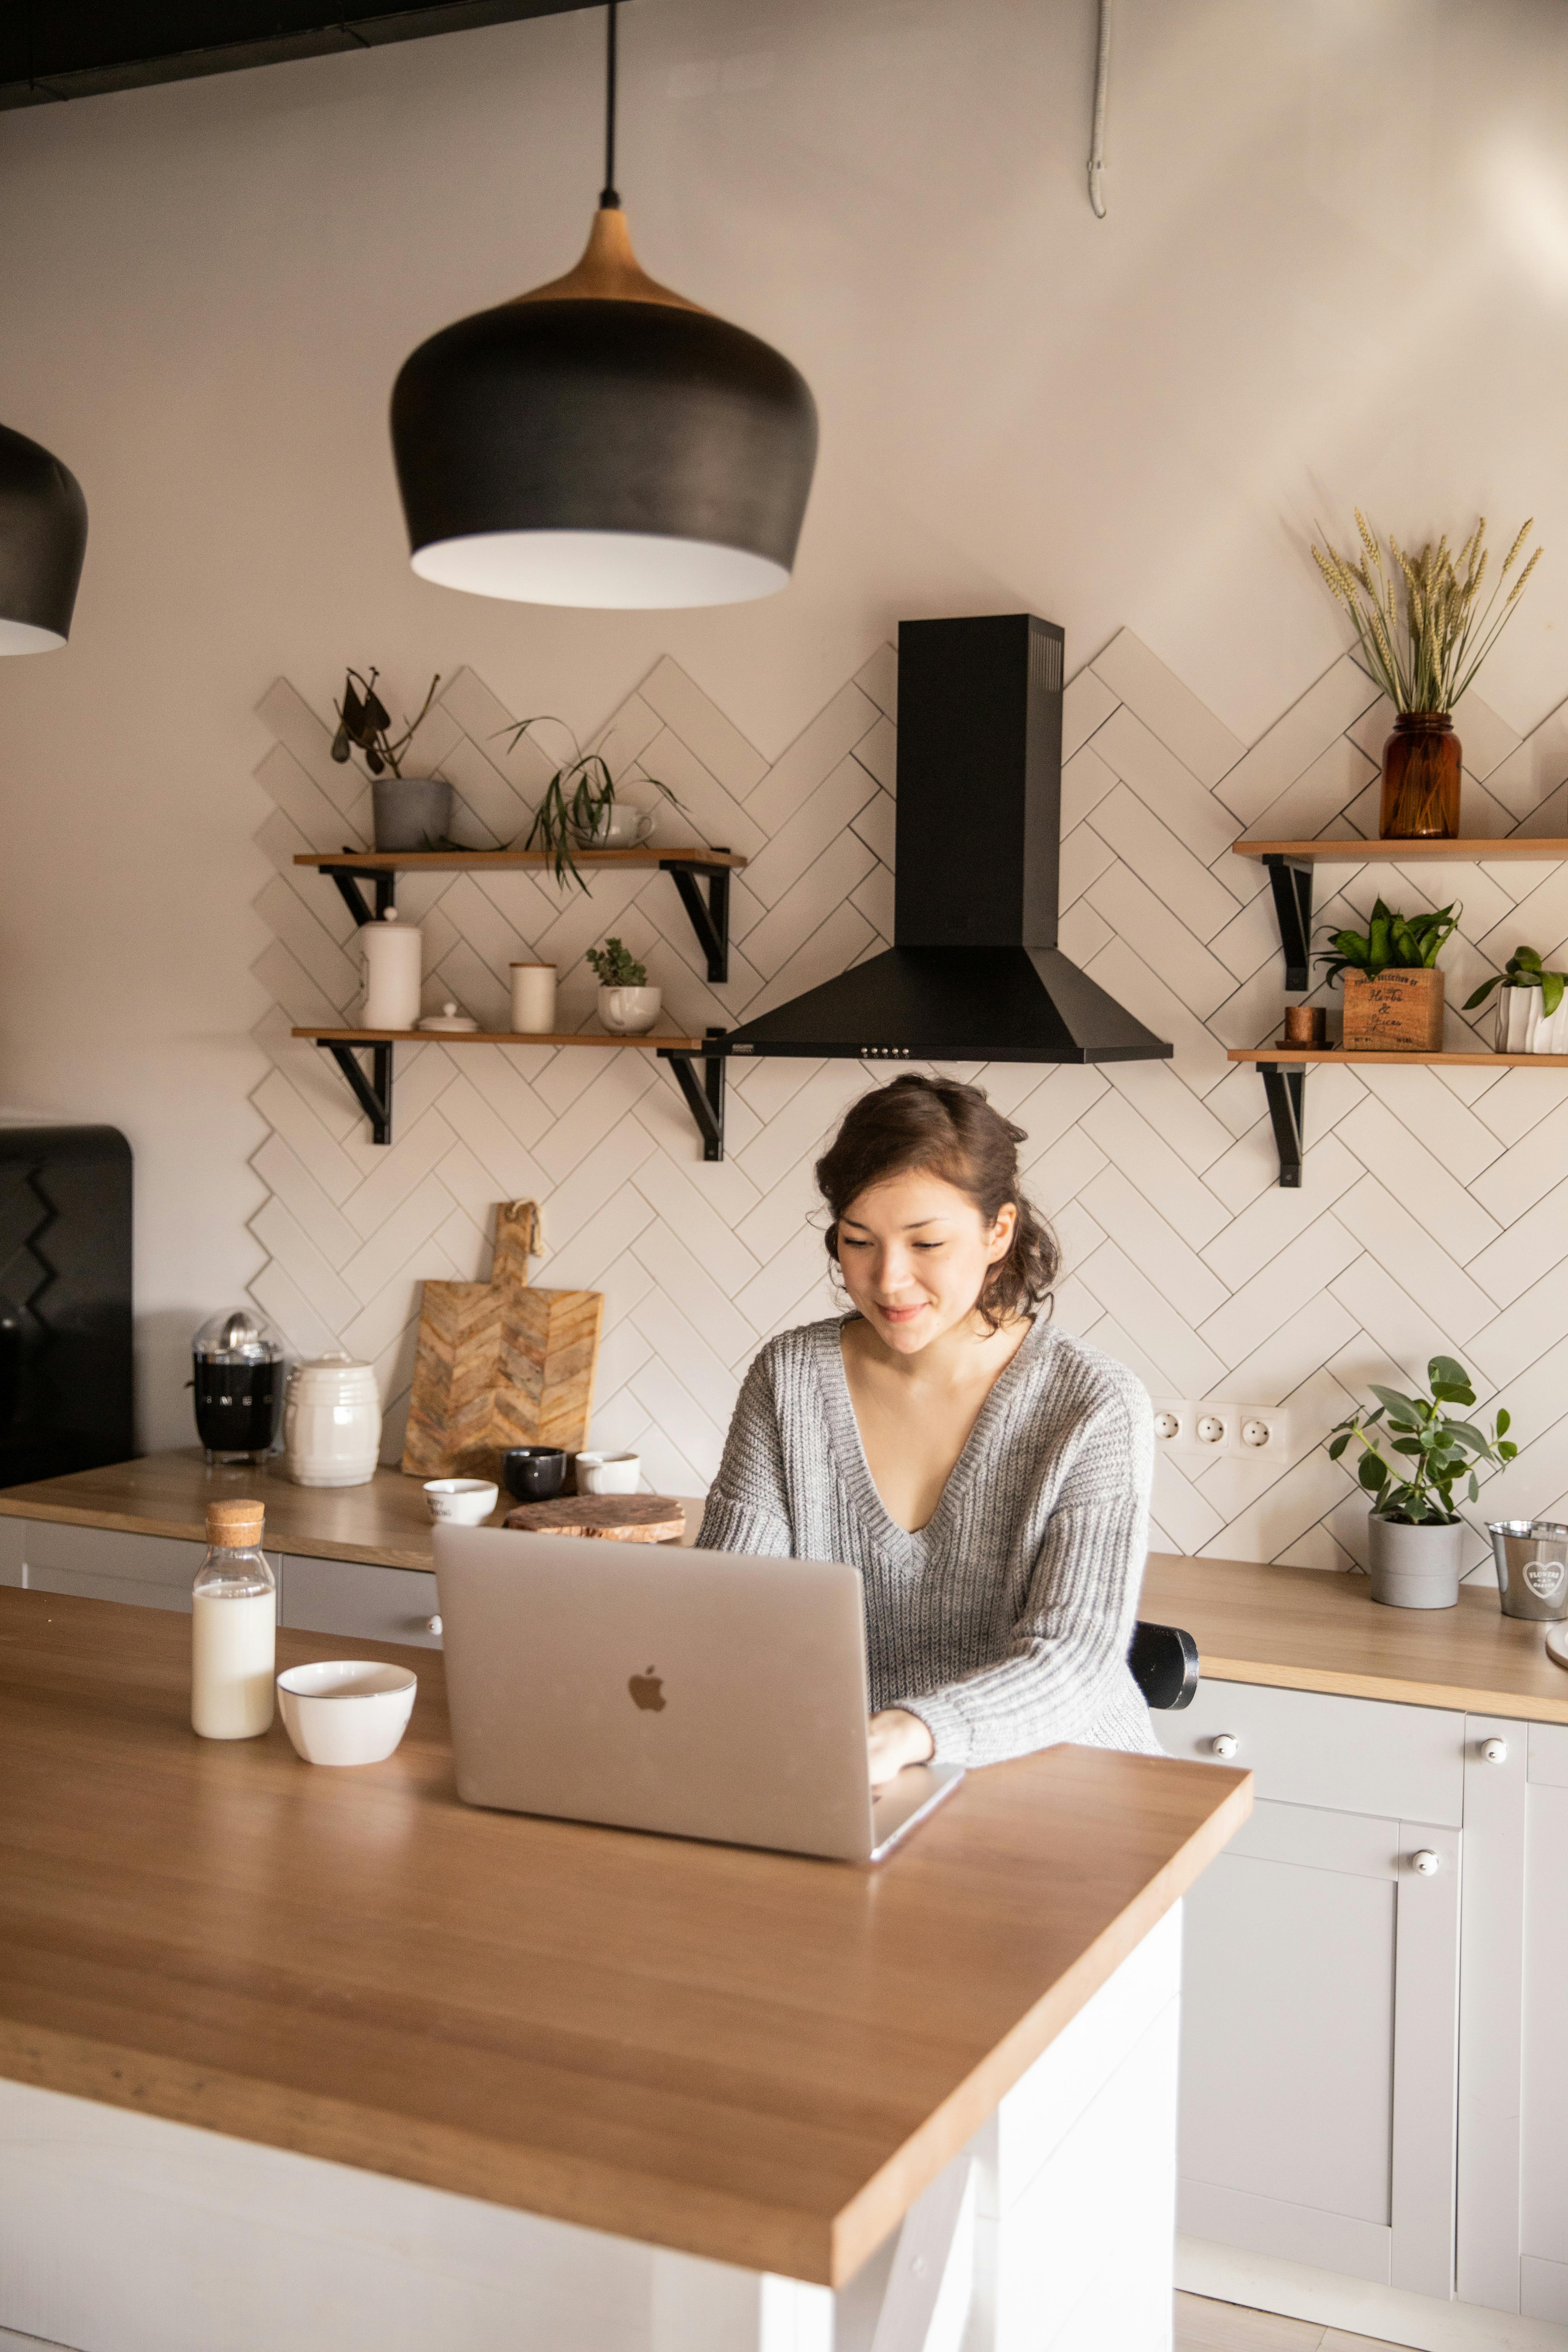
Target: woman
point(986, 1472)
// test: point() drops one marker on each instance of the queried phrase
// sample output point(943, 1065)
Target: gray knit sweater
point(1003, 1622)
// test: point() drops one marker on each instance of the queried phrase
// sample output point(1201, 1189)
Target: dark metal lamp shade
point(43, 538)
point(603, 442)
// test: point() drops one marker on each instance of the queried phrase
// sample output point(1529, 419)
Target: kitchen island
point(327, 2058)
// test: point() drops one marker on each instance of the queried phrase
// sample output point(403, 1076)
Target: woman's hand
point(894, 1738)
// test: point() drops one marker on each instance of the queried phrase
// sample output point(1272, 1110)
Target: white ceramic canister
point(332, 1422)
point(533, 998)
point(394, 970)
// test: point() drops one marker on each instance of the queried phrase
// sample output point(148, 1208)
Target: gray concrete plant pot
point(1415, 1567)
point(411, 812)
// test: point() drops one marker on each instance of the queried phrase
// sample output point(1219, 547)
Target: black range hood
point(976, 974)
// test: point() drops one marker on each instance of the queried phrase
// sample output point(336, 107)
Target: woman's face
point(914, 1253)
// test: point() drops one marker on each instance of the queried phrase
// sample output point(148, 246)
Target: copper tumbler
point(1306, 1024)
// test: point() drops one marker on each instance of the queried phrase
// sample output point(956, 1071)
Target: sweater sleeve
point(748, 1502)
point(1065, 1668)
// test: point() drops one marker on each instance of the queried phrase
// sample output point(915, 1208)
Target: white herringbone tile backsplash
point(1433, 1211)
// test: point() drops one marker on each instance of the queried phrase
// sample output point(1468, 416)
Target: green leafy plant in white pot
point(1531, 1017)
point(1416, 1535)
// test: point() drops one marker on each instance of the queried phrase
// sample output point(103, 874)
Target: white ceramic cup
point(629, 1010)
point(533, 998)
point(609, 1474)
point(466, 1502)
point(619, 828)
point(345, 1710)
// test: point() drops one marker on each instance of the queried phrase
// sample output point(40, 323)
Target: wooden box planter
point(1397, 1013)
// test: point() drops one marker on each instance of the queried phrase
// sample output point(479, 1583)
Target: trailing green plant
point(579, 796)
point(1436, 1448)
point(616, 966)
point(1424, 656)
point(1524, 968)
point(364, 725)
point(1392, 943)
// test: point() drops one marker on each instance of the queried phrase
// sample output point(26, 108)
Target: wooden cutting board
point(620, 1519)
point(500, 1364)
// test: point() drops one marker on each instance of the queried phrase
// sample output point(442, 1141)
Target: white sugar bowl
point(332, 1422)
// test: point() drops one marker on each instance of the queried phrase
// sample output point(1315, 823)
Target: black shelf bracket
point(348, 878)
point(1284, 1084)
point(704, 1095)
point(709, 919)
point(1293, 906)
point(373, 1094)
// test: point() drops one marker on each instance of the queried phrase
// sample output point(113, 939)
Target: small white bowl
point(346, 1710)
point(609, 1474)
point(467, 1502)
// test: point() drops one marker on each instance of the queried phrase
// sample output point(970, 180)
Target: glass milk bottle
point(234, 1620)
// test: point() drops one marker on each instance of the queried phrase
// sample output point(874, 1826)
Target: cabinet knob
point(433, 1624)
point(1426, 1861)
point(1495, 1751)
point(1225, 1743)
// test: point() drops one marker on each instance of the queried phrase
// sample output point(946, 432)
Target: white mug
point(630, 1012)
point(533, 998)
point(609, 1474)
point(619, 828)
point(466, 1502)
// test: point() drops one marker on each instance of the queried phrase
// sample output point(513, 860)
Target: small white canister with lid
point(332, 1422)
point(394, 970)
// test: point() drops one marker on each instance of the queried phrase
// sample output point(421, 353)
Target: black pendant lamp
point(43, 538)
point(602, 441)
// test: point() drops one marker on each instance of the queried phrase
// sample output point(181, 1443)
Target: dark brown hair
point(949, 1130)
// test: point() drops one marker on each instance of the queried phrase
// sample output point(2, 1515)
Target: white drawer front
point(1352, 1755)
point(97, 1564)
point(352, 1596)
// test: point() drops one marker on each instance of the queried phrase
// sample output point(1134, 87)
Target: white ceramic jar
point(332, 1422)
point(533, 998)
point(394, 961)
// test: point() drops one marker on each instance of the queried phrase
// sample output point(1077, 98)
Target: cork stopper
point(235, 1526)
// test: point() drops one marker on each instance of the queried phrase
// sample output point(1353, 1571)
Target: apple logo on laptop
point(648, 1690)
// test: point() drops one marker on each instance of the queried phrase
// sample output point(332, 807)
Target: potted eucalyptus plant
point(1415, 1531)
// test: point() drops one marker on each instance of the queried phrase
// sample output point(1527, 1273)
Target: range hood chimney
point(974, 973)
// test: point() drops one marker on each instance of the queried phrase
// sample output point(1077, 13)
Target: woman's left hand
point(896, 1737)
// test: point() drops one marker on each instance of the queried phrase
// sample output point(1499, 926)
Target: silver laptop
point(699, 1693)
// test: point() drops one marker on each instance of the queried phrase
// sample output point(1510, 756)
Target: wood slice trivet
point(622, 1519)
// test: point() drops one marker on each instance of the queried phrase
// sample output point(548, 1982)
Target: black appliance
point(66, 1384)
point(238, 1376)
point(974, 973)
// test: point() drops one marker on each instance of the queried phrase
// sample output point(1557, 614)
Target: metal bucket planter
point(1532, 1557)
point(1415, 1567)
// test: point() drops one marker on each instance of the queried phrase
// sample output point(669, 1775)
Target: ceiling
point(55, 49)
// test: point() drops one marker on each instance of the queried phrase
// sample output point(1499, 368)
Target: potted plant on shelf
point(1415, 1531)
point(580, 809)
point(410, 812)
point(1393, 991)
point(1531, 1017)
point(1424, 655)
point(626, 1003)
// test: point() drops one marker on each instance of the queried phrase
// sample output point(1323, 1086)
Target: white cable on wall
point(1096, 139)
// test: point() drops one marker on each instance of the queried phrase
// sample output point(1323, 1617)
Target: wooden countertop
point(385, 1522)
point(1311, 1629)
point(749, 2056)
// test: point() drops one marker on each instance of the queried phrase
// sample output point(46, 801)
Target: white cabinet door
point(99, 1564)
point(355, 1596)
point(1321, 1985)
point(1543, 2152)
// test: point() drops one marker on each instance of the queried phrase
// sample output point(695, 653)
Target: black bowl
point(533, 1474)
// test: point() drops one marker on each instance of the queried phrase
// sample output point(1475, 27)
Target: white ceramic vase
point(1415, 1567)
point(1524, 1028)
point(393, 968)
point(533, 998)
point(630, 1012)
point(332, 1422)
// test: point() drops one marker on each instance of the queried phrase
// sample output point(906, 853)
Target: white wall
point(1335, 270)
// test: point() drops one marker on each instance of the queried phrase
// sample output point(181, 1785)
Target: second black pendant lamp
point(602, 441)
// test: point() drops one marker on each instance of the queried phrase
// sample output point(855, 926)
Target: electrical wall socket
point(1250, 1431)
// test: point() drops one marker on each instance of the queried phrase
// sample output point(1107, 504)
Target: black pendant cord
point(609, 199)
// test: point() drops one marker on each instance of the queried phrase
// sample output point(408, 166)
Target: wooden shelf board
point(1349, 851)
point(425, 861)
point(1337, 1053)
point(651, 1041)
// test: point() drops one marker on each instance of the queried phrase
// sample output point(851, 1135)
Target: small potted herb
point(579, 810)
point(1415, 1531)
point(1393, 991)
point(626, 1003)
point(1530, 1014)
point(410, 812)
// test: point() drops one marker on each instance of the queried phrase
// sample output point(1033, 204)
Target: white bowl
point(465, 1502)
point(346, 1710)
point(609, 1474)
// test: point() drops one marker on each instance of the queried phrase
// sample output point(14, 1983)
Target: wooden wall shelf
point(651, 1041)
point(1261, 1053)
point(428, 861)
point(1350, 850)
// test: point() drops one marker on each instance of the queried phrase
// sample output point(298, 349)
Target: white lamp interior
point(611, 570)
point(22, 637)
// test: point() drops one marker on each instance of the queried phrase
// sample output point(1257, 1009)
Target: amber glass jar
point(1420, 779)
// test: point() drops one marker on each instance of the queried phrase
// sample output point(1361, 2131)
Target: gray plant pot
point(1415, 1567)
point(411, 812)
